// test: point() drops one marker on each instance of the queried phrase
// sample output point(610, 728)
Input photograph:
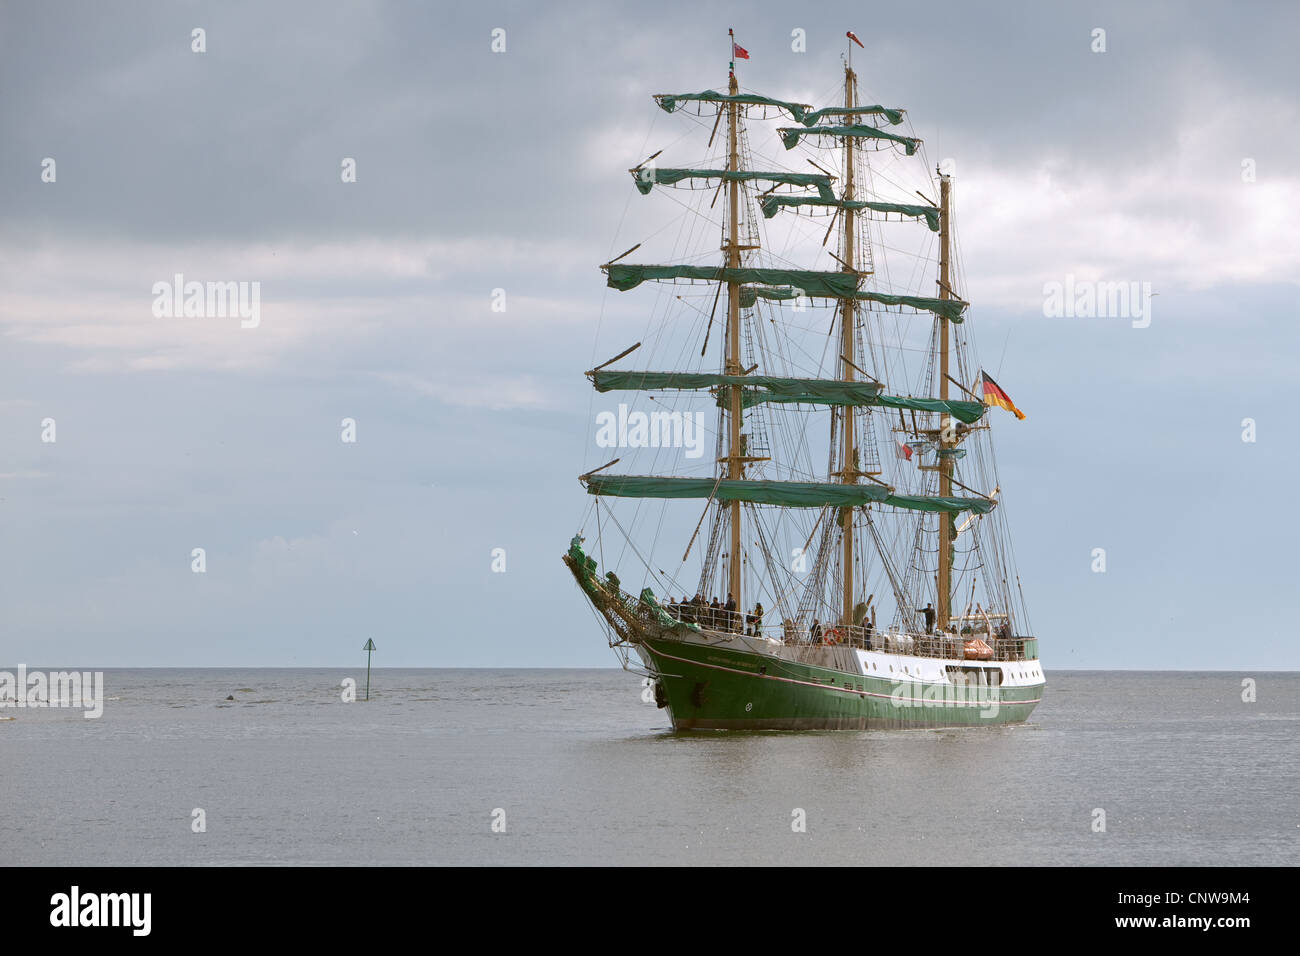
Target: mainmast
point(848, 465)
point(735, 466)
point(947, 433)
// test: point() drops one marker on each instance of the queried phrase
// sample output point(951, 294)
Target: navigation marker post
point(369, 649)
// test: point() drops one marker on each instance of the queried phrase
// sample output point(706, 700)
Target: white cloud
point(92, 296)
point(473, 390)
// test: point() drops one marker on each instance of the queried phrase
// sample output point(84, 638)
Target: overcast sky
point(479, 170)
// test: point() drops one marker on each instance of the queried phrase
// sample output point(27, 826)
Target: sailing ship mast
point(947, 432)
point(848, 306)
point(735, 465)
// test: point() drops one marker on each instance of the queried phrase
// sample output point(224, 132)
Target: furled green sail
point(794, 494)
point(966, 412)
point(940, 503)
point(584, 567)
point(791, 494)
point(950, 309)
point(832, 285)
point(766, 388)
point(826, 285)
point(894, 116)
point(813, 391)
point(790, 136)
point(963, 411)
point(749, 294)
point(661, 616)
point(770, 204)
point(669, 102)
point(647, 176)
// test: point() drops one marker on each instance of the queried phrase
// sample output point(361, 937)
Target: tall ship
point(813, 535)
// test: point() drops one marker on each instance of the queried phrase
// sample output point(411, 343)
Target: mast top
point(853, 39)
point(737, 53)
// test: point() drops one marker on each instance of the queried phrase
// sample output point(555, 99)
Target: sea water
point(576, 767)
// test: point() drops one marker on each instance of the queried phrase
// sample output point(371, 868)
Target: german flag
point(993, 395)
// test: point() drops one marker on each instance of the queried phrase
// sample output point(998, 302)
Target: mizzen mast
point(947, 433)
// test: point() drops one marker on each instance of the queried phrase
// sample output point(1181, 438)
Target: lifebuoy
point(832, 636)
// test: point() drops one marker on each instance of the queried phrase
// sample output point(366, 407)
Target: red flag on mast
point(853, 36)
point(738, 52)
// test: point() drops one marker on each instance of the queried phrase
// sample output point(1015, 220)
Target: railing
point(719, 620)
point(625, 613)
point(711, 618)
point(951, 646)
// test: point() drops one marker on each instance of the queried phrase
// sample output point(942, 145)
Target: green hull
point(716, 681)
point(717, 688)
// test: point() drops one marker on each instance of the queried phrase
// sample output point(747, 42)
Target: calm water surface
point(585, 772)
